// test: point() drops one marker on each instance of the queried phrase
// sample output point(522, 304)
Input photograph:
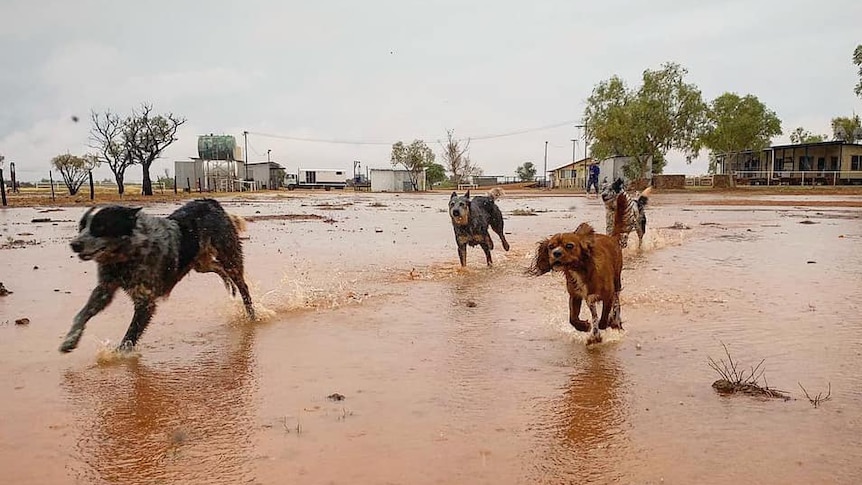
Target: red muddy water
point(448, 375)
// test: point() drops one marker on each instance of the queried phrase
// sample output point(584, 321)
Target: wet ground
point(447, 375)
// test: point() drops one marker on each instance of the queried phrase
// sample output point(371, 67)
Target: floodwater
point(449, 375)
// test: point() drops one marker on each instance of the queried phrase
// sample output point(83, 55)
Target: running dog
point(147, 256)
point(592, 264)
point(470, 220)
point(635, 216)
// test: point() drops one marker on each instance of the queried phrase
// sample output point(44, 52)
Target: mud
point(446, 375)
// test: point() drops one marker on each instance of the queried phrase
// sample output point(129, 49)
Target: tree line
point(664, 113)
point(121, 141)
point(668, 113)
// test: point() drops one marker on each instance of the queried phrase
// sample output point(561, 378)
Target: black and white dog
point(147, 256)
point(471, 218)
point(635, 215)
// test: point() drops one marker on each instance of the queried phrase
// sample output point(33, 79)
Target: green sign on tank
point(216, 147)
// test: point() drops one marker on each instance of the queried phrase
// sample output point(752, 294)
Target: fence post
point(175, 185)
point(92, 191)
point(2, 188)
point(188, 185)
point(13, 175)
point(51, 178)
point(200, 188)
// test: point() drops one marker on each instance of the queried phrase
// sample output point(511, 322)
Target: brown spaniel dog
point(592, 264)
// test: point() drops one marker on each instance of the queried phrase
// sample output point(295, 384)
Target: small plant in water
point(746, 381)
point(819, 398)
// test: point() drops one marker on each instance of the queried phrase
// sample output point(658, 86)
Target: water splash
point(292, 295)
point(108, 354)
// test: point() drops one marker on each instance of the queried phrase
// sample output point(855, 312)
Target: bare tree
point(147, 136)
point(74, 169)
point(455, 156)
point(108, 137)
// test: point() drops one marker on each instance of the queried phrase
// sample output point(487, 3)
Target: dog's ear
point(584, 229)
point(586, 244)
point(83, 221)
point(454, 194)
point(467, 195)
point(541, 261)
point(114, 221)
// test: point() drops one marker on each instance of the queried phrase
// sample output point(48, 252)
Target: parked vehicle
point(316, 178)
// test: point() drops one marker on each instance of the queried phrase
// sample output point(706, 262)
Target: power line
point(361, 142)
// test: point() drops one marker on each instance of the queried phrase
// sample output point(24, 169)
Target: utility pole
point(574, 149)
point(267, 155)
point(545, 176)
point(580, 129)
point(583, 127)
point(245, 136)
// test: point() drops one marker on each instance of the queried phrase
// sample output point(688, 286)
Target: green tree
point(800, 135)
point(857, 59)
point(147, 136)
point(847, 129)
point(414, 157)
point(74, 169)
point(166, 180)
point(735, 124)
point(665, 113)
point(435, 174)
point(526, 172)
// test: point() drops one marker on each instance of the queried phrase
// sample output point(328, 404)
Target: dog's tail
point(496, 193)
point(644, 198)
point(620, 209)
point(238, 223)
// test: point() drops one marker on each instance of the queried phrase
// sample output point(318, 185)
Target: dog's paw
point(580, 325)
point(70, 343)
point(595, 338)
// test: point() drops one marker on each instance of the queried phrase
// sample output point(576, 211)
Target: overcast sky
point(383, 71)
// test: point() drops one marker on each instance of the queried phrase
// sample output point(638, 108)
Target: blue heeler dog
point(635, 210)
point(471, 218)
point(147, 256)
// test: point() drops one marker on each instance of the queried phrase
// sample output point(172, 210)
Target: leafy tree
point(414, 157)
point(738, 123)
point(435, 174)
point(147, 136)
point(800, 135)
point(857, 59)
point(847, 129)
point(74, 169)
point(455, 156)
point(664, 113)
point(526, 172)
point(108, 137)
point(166, 180)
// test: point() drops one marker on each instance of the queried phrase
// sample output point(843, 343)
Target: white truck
point(316, 178)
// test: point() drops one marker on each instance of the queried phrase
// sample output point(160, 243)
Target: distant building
point(266, 175)
point(828, 162)
point(394, 180)
point(574, 174)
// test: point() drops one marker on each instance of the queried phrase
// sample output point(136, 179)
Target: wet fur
point(146, 256)
point(635, 214)
point(593, 265)
point(471, 218)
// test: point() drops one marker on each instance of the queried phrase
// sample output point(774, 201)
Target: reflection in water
point(173, 423)
point(583, 428)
